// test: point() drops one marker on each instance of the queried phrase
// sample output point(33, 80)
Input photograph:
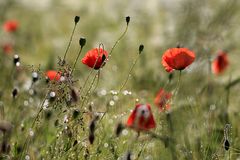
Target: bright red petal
point(177, 58)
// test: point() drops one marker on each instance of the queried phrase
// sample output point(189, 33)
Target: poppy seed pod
point(127, 19)
point(76, 19)
point(82, 41)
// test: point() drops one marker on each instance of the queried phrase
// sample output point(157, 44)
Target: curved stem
point(129, 74)
point(70, 41)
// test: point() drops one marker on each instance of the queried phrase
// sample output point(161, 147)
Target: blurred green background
point(205, 26)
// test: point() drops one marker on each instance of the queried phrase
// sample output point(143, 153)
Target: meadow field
point(124, 80)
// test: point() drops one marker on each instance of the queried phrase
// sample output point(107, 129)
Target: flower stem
point(69, 43)
point(74, 65)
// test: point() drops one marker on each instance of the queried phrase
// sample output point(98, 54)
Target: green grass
point(202, 106)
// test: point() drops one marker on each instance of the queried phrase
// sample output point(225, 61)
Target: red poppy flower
point(161, 100)
point(10, 26)
point(220, 63)
point(141, 118)
point(7, 48)
point(95, 58)
point(53, 75)
point(177, 58)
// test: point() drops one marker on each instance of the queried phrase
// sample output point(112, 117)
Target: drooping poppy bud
point(10, 26)
point(141, 118)
point(161, 100)
point(177, 58)
point(95, 58)
point(220, 63)
point(53, 75)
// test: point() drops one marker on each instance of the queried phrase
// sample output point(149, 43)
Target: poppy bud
point(16, 59)
point(75, 113)
point(128, 156)
point(56, 123)
point(75, 142)
point(226, 145)
point(74, 95)
point(92, 126)
point(91, 138)
point(141, 47)
point(34, 76)
point(170, 77)
point(76, 19)
point(5, 147)
point(127, 19)
point(119, 129)
point(82, 41)
point(19, 149)
point(48, 115)
point(14, 92)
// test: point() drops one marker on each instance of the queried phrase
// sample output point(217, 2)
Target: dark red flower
point(10, 26)
point(141, 118)
point(95, 58)
point(177, 58)
point(7, 48)
point(220, 63)
point(162, 100)
point(53, 75)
